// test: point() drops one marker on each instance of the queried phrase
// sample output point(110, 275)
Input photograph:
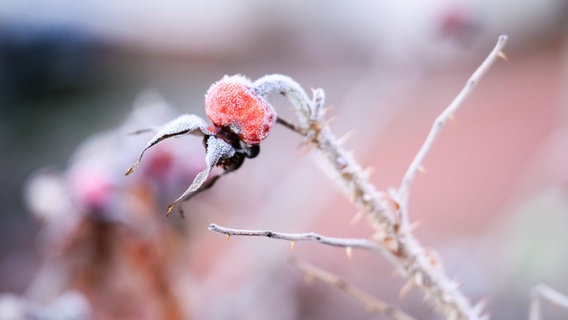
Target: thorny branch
point(388, 215)
point(370, 303)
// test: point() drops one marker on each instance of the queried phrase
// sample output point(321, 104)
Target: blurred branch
point(546, 293)
point(370, 303)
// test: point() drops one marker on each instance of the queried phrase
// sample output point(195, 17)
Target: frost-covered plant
point(241, 118)
point(238, 111)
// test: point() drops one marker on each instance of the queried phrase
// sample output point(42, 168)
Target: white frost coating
point(184, 124)
point(289, 87)
point(233, 102)
point(215, 95)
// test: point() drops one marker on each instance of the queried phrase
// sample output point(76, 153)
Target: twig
point(370, 303)
point(404, 189)
point(307, 236)
point(546, 293)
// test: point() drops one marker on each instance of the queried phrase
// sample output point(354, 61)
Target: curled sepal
point(184, 124)
point(217, 150)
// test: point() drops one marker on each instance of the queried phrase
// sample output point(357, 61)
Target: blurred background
point(77, 76)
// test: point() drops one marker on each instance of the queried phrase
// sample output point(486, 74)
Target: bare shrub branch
point(308, 236)
point(370, 303)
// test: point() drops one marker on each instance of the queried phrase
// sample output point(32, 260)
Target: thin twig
point(546, 293)
point(308, 236)
point(404, 190)
point(370, 303)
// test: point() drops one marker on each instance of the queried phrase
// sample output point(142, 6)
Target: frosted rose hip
point(231, 102)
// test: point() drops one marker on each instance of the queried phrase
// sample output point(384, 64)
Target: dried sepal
point(184, 124)
point(217, 150)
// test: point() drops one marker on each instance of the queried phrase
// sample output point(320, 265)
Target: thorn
point(395, 204)
point(391, 197)
point(405, 289)
point(419, 280)
point(305, 147)
point(413, 226)
point(480, 306)
point(379, 236)
point(292, 245)
point(345, 137)
point(330, 121)
point(435, 261)
point(367, 172)
point(458, 284)
point(340, 163)
point(357, 218)
point(390, 243)
point(353, 196)
point(398, 272)
point(131, 169)
point(349, 252)
point(452, 118)
point(228, 237)
point(392, 193)
point(503, 56)
point(170, 207)
point(421, 169)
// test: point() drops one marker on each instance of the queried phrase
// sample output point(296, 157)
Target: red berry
point(231, 102)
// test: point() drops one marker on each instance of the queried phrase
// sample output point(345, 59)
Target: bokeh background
point(77, 76)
